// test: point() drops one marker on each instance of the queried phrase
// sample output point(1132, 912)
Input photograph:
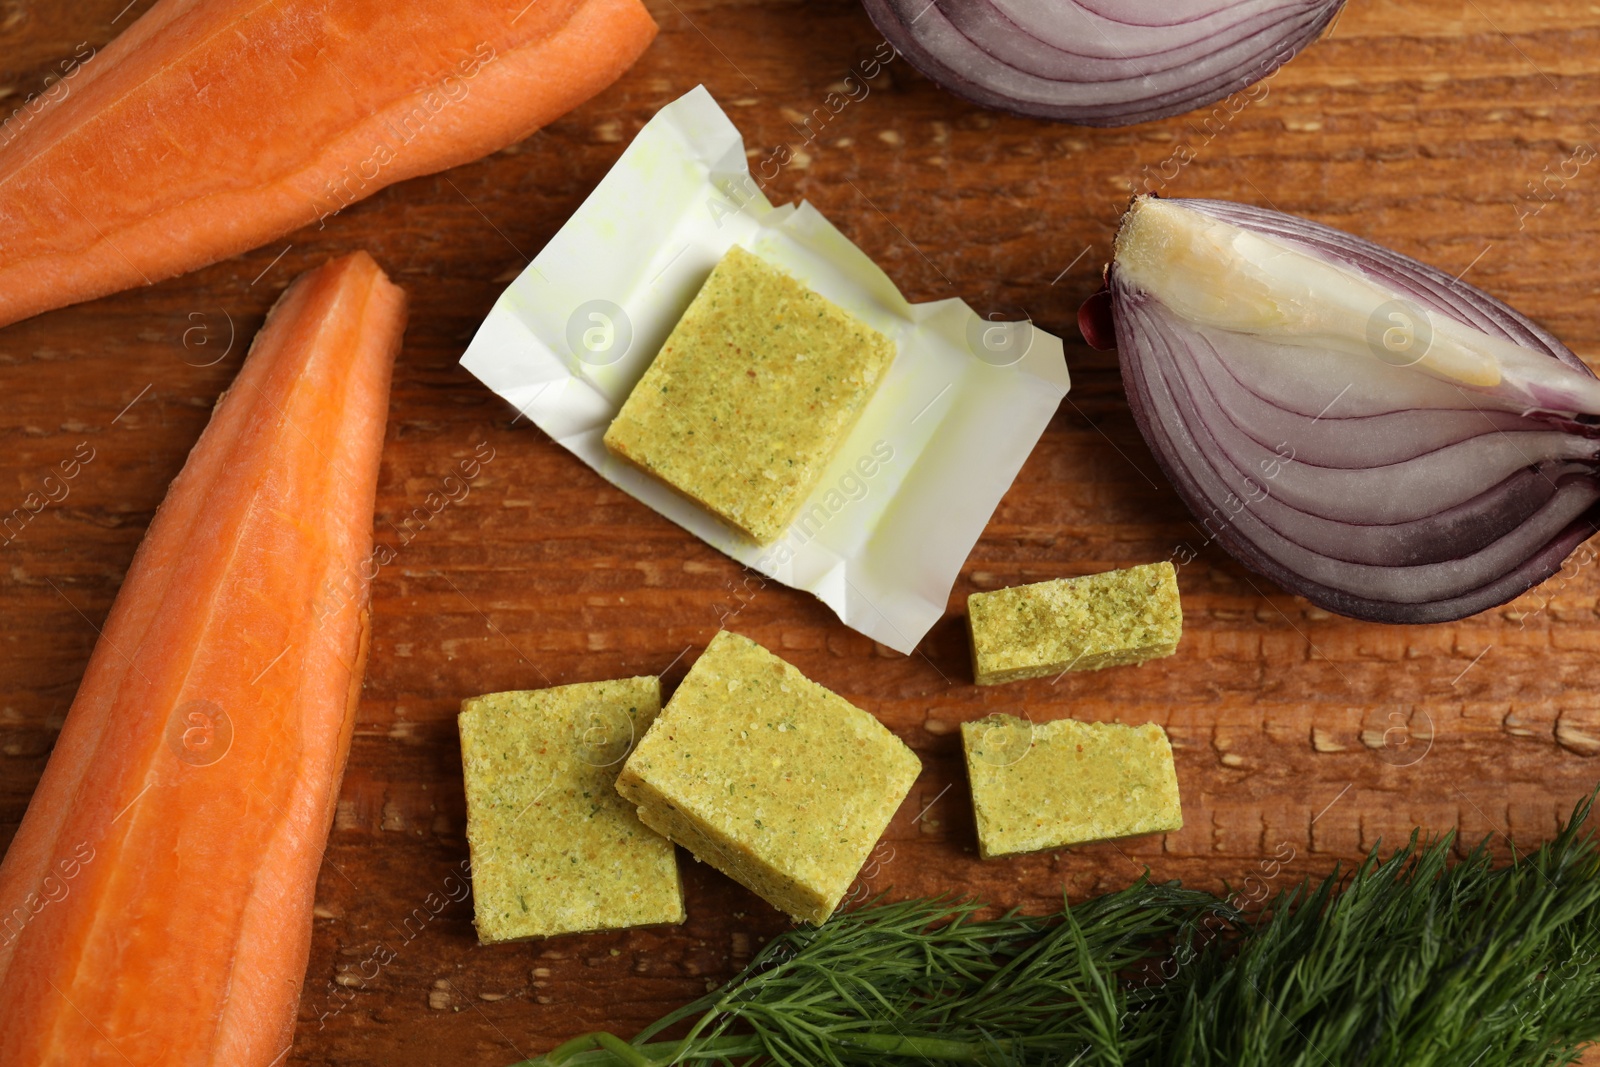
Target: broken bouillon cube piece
point(1075, 624)
point(1039, 786)
point(555, 850)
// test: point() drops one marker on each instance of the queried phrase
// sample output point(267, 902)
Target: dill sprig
point(922, 980)
point(1417, 962)
point(1411, 960)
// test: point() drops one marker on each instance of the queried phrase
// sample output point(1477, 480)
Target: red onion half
point(1099, 62)
point(1363, 429)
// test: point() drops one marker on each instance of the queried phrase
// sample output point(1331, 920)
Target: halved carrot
point(212, 126)
point(155, 905)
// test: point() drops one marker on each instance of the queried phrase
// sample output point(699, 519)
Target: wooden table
point(1423, 125)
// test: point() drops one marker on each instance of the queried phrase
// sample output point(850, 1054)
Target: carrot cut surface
point(155, 905)
point(212, 126)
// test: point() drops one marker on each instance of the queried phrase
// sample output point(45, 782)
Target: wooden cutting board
point(1301, 738)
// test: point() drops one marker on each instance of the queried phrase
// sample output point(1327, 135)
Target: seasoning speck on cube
point(774, 780)
point(751, 395)
point(554, 849)
point(1075, 624)
point(1039, 786)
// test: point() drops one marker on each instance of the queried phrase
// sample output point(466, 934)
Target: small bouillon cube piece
point(1039, 786)
point(1075, 624)
point(554, 849)
point(777, 782)
point(751, 395)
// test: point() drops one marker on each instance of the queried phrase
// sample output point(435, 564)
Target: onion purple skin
point(1175, 445)
point(975, 50)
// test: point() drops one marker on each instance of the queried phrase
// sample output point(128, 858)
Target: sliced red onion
point(1363, 429)
point(1099, 62)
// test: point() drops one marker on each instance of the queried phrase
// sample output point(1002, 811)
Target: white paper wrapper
point(883, 537)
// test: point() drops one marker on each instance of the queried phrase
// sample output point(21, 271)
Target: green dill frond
point(1410, 960)
point(1416, 961)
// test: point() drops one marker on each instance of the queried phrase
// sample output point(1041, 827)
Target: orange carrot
point(155, 905)
point(212, 126)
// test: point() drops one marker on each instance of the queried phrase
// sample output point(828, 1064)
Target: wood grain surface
point(1423, 124)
